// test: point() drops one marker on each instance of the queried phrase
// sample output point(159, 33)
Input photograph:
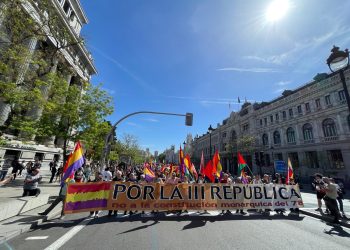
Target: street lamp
point(210, 129)
point(339, 61)
point(184, 143)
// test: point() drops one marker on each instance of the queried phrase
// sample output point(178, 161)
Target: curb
point(28, 227)
point(324, 218)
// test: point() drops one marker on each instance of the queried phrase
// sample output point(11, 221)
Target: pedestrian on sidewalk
point(319, 185)
point(330, 199)
point(59, 173)
point(31, 183)
point(15, 167)
point(60, 198)
point(22, 166)
point(53, 168)
point(340, 198)
point(4, 169)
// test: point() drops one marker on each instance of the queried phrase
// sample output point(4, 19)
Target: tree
point(33, 82)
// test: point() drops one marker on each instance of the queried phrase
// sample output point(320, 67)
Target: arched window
point(265, 139)
point(307, 132)
point(290, 135)
point(329, 128)
point(233, 135)
point(276, 137)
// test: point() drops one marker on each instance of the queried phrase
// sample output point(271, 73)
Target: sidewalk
point(28, 218)
point(310, 206)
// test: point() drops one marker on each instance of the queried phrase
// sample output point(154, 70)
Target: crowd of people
point(331, 193)
point(166, 174)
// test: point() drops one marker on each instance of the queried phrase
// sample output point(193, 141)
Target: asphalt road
point(254, 231)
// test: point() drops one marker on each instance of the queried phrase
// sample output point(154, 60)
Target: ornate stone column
point(5, 108)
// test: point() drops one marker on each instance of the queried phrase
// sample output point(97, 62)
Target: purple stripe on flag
point(86, 204)
point(72, 168)
point(149, 178)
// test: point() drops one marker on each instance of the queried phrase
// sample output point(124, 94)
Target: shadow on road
point(195, 224)
point(140, 227)
point(336, 230)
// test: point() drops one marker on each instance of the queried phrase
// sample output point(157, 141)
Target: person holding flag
point(74, 162)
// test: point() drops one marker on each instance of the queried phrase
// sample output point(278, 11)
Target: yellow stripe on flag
point(104, 194)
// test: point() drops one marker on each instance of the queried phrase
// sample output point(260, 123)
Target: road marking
point(66, 237)
point(37, 238)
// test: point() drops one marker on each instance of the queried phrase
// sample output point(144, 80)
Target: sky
point(199, 56)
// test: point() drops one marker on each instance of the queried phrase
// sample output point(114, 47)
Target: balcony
point(310, 141)
point(292, 143)
point(330, 138)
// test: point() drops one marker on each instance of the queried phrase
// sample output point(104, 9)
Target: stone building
point(76, 58)
point(310, 125)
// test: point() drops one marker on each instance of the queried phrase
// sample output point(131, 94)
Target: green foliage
point(42, 102)
point(127, 147)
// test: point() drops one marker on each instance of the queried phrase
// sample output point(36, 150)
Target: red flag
point(290, 173)
point(209, 170)
point(241, 165)
point(194, 171)
point(202, 164)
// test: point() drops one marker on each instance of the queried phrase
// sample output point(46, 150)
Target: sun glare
point(277, 10)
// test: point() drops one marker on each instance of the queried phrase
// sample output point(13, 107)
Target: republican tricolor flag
point(74, 162)
point(290, 172)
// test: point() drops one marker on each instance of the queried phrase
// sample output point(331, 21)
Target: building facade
point(309, 125)
point(81, 68)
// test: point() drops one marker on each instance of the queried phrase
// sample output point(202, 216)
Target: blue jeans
point(3, 174)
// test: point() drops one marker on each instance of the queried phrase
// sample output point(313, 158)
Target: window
point(224, 135)
point(318, 103)
point(271, 118)
point(341, 95)
point(307, 132)
point(300, 111)
point(245, 127)
point(261, 122)
point(276, 137)
point(290, 112)
point(307, 107)
point(284, 115)
point(329, 128)
point(277, 117)
point(294, 159)
point(265, 121)
point(66, 7)
point(328, 100)
point(233, 135)
point(312, 160)
point(265, 139)
point(290, 135)
point(336, 158)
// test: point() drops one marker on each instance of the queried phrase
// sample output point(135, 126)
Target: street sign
point(280, 166)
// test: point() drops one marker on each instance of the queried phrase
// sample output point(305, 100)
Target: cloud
point(132, 124)
point(283, 83)
point(137, 79)
point(252, 70)
point(306, 48)
point(150, 120)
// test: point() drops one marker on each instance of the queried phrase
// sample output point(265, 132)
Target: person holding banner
point(98, 178)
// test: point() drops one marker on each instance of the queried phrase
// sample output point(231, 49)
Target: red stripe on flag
point(86, 187)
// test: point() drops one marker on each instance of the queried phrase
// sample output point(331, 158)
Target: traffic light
point(189, 119)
